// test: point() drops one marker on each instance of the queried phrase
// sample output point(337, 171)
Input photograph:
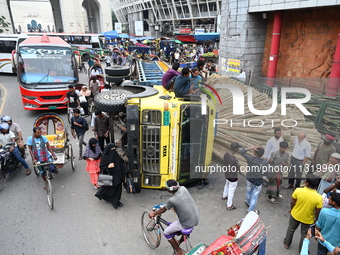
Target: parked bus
point(86, 44)
point(46, 67)
point(8, 46)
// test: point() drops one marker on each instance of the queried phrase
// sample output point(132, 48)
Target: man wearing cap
point(323, 152)
point(15, 128)
point(328, 172)
point(7, 136)
point(185, 208)
point(232, 168)
point(254, 175)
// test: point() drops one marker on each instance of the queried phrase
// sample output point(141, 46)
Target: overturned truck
point(164, 137)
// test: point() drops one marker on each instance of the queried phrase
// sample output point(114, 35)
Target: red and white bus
point(46, 67)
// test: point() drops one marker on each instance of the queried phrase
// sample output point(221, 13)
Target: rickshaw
point(100, 77)
point(53, 128)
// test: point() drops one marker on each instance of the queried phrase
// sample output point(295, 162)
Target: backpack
point(170, 84)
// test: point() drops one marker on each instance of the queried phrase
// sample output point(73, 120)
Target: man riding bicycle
point(40, 151)
point(184, 206)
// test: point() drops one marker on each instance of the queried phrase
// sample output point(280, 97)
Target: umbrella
point(111, 34)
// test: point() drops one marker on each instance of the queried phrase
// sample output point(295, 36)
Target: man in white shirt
point(7, 136)
point(273, 144)
point(300, 154)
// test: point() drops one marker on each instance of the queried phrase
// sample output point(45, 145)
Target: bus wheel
point(112, 101)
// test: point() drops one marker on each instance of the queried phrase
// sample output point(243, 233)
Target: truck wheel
point(117, 71)
point(117, 79)
point(112, 101)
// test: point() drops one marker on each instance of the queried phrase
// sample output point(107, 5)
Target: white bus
point(8, 46)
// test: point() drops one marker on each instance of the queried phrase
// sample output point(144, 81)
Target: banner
point(118, 27)
point(234, 65)
point(139, 31)
point(185, 30)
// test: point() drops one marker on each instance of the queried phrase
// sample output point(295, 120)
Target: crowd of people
point(315, 203)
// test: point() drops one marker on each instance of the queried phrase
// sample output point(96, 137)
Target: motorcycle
point(8, 163)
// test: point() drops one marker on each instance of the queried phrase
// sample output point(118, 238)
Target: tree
point(4, 24)
point(114, 18)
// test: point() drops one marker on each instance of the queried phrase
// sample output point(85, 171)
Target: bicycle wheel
point(49, 193)
point(73, 164)
point(36, 170)
point(1, 181)
point(151, 232)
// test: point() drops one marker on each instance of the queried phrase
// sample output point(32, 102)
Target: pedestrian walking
point(112, 164)
point(254, 175)
point(273, 144)
point(102, 128)
point(78, 128)
point(92, 155)
point(233, 167)
point(300, 154)
point(305, 207)
point(277, 160)
point(107, 60)
point(329, 223)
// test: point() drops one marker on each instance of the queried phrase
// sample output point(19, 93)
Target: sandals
point(289, 187)
point(245, 201)
point(28, 171)
point(224, 198)
point(272, 200)
point(284, 244)
point(232, 207)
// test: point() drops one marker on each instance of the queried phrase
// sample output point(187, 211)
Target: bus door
point(192, 142)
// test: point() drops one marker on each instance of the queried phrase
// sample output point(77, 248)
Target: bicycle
point(151, 229)
point(48, 183)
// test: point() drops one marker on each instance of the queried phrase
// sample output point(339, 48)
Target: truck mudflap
point(132, 118)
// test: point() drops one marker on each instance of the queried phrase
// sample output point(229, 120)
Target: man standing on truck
point(101, 128)
point(184, 206)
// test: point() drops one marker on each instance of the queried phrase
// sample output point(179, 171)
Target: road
point(81, 224)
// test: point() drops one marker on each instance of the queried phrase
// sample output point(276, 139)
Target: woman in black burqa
point(113, 164)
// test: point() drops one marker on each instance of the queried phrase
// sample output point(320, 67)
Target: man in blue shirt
point(329, 223)
point(78, 129)
point(182, 83)
point(254, 175)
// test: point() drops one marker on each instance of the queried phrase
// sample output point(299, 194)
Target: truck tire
point(112, 101)
point(117, 71)
point(117, 79)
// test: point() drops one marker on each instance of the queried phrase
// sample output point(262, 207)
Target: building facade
point(164, 17)
point(307, 41)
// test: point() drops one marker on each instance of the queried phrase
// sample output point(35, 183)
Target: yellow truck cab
point(166, 138)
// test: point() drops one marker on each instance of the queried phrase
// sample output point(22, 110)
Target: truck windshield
point(46, 65)
point(192, 140)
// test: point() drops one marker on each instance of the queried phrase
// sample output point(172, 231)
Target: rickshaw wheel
point(36, 170)
point(1, 181)
point(73, 165)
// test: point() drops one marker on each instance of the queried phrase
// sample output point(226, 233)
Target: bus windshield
point(46, 65)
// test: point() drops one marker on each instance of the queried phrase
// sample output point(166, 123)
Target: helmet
point(6, 118)
point(4, 126)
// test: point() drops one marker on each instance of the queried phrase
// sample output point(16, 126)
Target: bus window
point(41, 64)
point(7, 46)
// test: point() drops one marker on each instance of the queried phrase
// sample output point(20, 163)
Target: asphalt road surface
point(81, 224)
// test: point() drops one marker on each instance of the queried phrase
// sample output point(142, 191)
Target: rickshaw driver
point(184, 206)
point(40, 151)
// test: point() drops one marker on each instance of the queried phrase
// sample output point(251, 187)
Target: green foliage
point(3, 24)
point(114, 18)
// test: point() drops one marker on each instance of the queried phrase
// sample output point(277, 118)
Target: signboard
point(185, 30)
point(199, 30)
point(234, 65)
point(139, 31)
point(118, 27)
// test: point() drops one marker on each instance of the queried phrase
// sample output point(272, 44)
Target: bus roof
point(47, 40)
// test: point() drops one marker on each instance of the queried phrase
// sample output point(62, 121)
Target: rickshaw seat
point(187, 231)
point(56, 140)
